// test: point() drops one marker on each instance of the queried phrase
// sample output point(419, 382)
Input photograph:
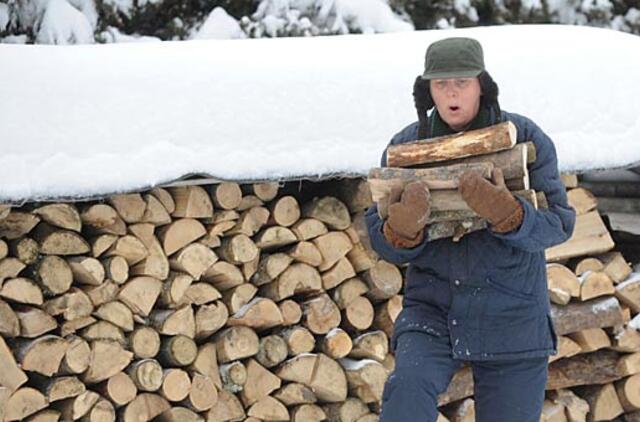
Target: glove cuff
point(512, 222)
point(399, 241)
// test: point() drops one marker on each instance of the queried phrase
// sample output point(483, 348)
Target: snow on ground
point(94, 119)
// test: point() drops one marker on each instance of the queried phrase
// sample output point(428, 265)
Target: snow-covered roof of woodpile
point(80, 121)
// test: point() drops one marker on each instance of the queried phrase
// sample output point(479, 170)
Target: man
point(482, 300)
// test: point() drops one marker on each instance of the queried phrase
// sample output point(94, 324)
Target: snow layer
point(77, 121)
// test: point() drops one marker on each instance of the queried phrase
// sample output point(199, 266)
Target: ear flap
point(423, 102)
point(490, 93)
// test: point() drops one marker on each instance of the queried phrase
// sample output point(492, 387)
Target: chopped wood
point(576, 409)
point(238, 249)
point(323, 375)
point(10, 268)
point(11, 375)
point(582, 200)
point(340, 272)
point(358, 315)
point(54, 275)
point(22, 403)
point(584, 369)
point(616, 266)
point(570, 180)
point(372, 345)
point(33, 321)
point(156, 263)
point(272, 350)
point(140, 294)
point(384, 281)
point(107, 359)
point(336, 344)
point(260, 383)
point(329, 210)
point(226, 195)
point(146, 374)
point(625, 339)
point(628, 391)
point(176, 384)
point(590, 236)
point(77, 357)
point(119, 389)
point(562, 281)
point(591, 339)
point(297, 279)
point(250, 221)
point(179, 234)
point(200, 294)
point(320, 314)
point(17, 224)
point(285, 211)
point(172, 322)
point(234, 376)
point(155, 213)
point(249, 201)
point(145, 407)
point(598, 313)
point(365, 378)
point(54, 241)
point(236, 297)
point(42, 355)
point(61, 388)
point(464, 144)
point(582, 265)
point(309, 228)
point(206, 363)
point(351, 409)
point(72, 305)
point(629, 293)
point(210, 318)
point(595, 284)
point(103, 330)
point(179, 414)
point(165, 198)
point(268, 408)
point(103, 410)
point(348, 291)
point(629, 364)
point(270, 267)
point(174, 288)
point(259, 314)
point(193, 259)
point(332, 246)
point(295, 393)
point(178, 351)
point(191, 202)
point(306, 252)
point(203, 394)
point(566, 348)
point(144, 342)
point(291, 312)
point(86, 270)
point(106, 292)
point(236, 343)
point(10, 322)
point(130, 206)
point(130, 248)
point(101, 243)
point(604, 404)
point(274, 237)
point(226, 408)
point(299, 340)
point(116, 313)
point(25, 249)
point(386, 314)
point(307, 412)
point(61, 215)
point(99, 216)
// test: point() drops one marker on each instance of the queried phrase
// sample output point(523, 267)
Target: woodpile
point(261, 302)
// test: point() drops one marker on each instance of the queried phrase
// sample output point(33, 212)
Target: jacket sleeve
point(542, 228)
point(374, 223)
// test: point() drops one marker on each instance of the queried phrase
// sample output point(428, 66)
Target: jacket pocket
point(509, 291)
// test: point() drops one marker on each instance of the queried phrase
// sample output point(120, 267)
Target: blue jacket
point(487, 292)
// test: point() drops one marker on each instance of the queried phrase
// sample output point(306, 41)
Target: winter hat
point(455, 57)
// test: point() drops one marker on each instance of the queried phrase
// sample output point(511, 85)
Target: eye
point(462, 83)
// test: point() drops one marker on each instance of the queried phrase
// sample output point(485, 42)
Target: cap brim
point(452, 74)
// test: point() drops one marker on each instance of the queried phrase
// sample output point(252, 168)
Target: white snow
point(62, 23)
point(606, 304)
point(113, 35)
point(244, 308)
point(4, 16)
point(354, 365)
point(635, 322)
point(89, 120)
point(633, 278)
point(220, 25)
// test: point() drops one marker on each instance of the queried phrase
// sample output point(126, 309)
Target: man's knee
point(410, 395)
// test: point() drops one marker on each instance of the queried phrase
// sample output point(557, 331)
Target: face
point(457, 100)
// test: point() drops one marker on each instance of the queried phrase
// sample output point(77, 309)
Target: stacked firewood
point(220, 302)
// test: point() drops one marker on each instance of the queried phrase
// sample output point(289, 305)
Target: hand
point(492, 200)
point(408, 216)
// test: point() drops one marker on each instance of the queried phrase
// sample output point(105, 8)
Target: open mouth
point(454, 108)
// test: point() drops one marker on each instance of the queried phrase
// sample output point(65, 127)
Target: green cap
point(453, 58)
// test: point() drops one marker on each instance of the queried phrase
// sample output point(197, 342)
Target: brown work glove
point(408, 216)
point(492, 201)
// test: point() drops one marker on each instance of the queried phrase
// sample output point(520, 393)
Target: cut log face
point(309, 228)
point(365, 378)
point(295, 393)
point(226, 195)
point(590, 236)
point(291, 312)
point(386, 314)
point(191, 202)
point(270, 267)
point(616, 266)
point(299, 340)
point(268, 408)
point(25, 249)
point(203, 394)
point(337, 344)
point(146, 374)
point(53, 241)
point(155, 213)
point(130, 207)
point(193, 259)
point(63, 388)
point(22, 290)
point(236, 343)
point(119, 389)
point(340, 272)
point(629, 292)
point(33, 322)
point(9, 323)
point(116, 313)
point(140, 294)
point(11, 375)
point(239, 296)
point(145, 407)
point(323, 375)
point(576, 409)
point(77, 357)
point(628, 391)
point(320, 314)
point(560, 278)
point(260, 383)
point(227, 408)
point(179, 234)
point(330, 210)
point(174, 322)
point(332, 246)
point(144, 342)
point(210, 319)
point(603, 402)
point(259, 314)
point(10, 268)
point(566, 348)
point(273, 350)
point(24, 402)
point(274, 237)
point(233, 376)
point(223, 275)
point(591, 339)
point(130, 248)
point(42, 355)
point(107, 359)
point(285, 211)
point(238, 249)
point(61, 215)
point(582, 200)
point(384, 281)
point(17, 224)
point(595, 284)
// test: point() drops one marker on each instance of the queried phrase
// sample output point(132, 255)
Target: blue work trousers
point(504, 391)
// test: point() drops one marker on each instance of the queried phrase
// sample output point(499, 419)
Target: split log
point(323, 375)
point(61, 388)
point(206, 363)
point(53, 241)
point(265, 191)
point(174, 289)
point(200, 294)
point(307, 412)
point(386, 314)
point(226, 408)
point(332, 246)
point(173, 322)
point(103, 330)
point(156, 263)
point(116, 313)
point(71, 327)
point(259, 314)
point(178, 351)
point(309, 228)
point(584, 369)
point(210, 318)
point(130, 248)
point(582, 265)
point(285, 211)
point(360, 258)
point(140, 294)
point(270, 267)
point(372, 345)
point(104, 293)
point(297, 279)
point(625, 339)
point(11, 375)
point(595, 284)
point(9, 322)
point(165, 198)
point(351, 409)
point(116, 269)
point(582, 200)
point(250, 221)
point(365, 378)
point(193, 259)
point(591, 339)
point(102, 217)
point(329, 210)
point(629, 292)
point(320, 314)
point(236, 297)
point(76, 407)
point(348, 291)
point(566, 348)
point(144, 407)
point(590, 236)
point(340, 272)
point(72, 305)
point(236, 343)
point(628, 391)
point(191, 202)
point(295, 393)
point(129, 206)
point(268, 408)
point(144, 342)
point(576, 409)
point(259, 384)
point(476, 142)
point(223, 275)
point(615, 266)
point(179, 414)
point(10, 268)
point(42, 355)
point(570, 180)
point(307, 253)
point(203, 394)
point(274, 237)
point(61, 215)
point(21, 290)
point(238, 249)
point(22, 403)
point(103, 410)
point(563, 283)
point(45, 415)
point(33, 321)
point(107, 359)
point(179, 234)
point(604, 404)
point(101, 243)
point(155, 213)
